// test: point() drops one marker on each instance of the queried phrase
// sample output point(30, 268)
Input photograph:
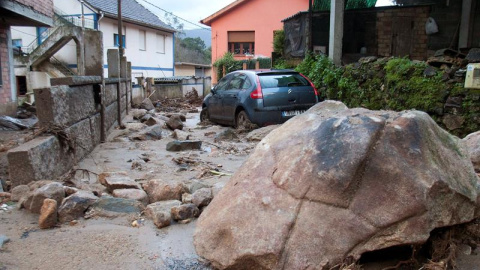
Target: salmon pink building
point(246, 27)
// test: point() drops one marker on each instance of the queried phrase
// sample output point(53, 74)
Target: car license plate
point(292, 113)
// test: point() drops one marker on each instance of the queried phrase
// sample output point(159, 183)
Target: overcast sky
point(191, 10)
point(196, 10)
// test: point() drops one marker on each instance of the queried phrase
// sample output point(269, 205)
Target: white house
point(149, 42)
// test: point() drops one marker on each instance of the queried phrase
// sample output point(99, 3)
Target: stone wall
point(401, 31)
point(73, 111)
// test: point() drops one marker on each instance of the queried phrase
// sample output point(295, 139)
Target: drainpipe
point(101, 17)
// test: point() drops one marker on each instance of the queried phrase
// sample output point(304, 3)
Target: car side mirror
point(212, 90)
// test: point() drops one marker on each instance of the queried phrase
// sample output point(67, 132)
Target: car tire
point(204, 116)
point(242, 121)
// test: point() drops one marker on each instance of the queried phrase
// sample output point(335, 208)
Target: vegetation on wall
point(231, 64)
point(394, 84)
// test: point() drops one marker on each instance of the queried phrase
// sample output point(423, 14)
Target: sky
point(196, 10)
point(191, 10)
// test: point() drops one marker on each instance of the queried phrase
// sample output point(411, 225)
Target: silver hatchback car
point(246, 97)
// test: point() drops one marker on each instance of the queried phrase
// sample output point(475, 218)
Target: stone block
point(113, 60)
point(81, 136)
point(40, 158)
point(96, 128)
point(110, 115)
point(64, 105)
point(110, 93)
point(93, 52)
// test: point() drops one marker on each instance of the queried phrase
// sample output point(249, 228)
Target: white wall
point(26, 34)
point(148, 62)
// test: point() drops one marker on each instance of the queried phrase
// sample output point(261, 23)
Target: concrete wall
point(180, 89)
point(73, 110)
point(42, 6)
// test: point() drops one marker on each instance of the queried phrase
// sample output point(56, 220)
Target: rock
point(145, 118)
point(147, 104)
point(19, 191)
point(181, 116)
point(334, 183)
point(367, 59)
point(34, 200)
point(117, 180)
point(160, 212)
point(180, 135)
point(151, 133)
point(48, 214)
point(38, 184)
point(453, 122)
point(185, 211)
point(177, 146)
point(226, 135)
point(187, 198)
point(202, 197)
point(110, 207)
point(135, 126)
point(258, 134)
point(3, 240)
point(151, 121)
point(84, 184)
point(137, 114)
point(430, 71)
point(195, 185)
point(69, 190)
point(162, 190)
point(472, 143)
point(75, 205)
point(134, 194)
point(174, 122)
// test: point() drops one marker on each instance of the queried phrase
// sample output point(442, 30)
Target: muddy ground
point(115, 243)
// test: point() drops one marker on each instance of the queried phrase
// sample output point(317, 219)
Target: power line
point(166, 11)
point(23, 32)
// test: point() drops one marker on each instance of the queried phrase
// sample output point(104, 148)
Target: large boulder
point(334, 183)
point(472, 142)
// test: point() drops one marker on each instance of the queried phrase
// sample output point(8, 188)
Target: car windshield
point(282, 80)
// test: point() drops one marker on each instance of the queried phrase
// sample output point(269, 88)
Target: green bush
point(391, 84)
point(228, 62)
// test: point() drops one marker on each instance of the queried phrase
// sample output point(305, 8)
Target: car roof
point(267, 71)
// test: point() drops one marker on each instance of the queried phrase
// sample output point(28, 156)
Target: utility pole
point(335, 44)
point(120, 52)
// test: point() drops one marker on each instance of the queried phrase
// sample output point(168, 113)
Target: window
point(241, 42)
point(160, 43)
point(239, 82)
point(17, 43)
point(223, 83)
point(142, 40)
point(116, 41)
point(282, 80)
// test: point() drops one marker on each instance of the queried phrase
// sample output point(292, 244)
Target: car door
point(215, 102)
point(230, 96)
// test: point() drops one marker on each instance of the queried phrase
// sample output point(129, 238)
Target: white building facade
point(148, 42)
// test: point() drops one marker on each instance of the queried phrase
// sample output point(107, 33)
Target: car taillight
point(311, 84)
point(257, 93)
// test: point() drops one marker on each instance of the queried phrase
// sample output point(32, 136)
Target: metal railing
point(61, 67)
point(60, 19)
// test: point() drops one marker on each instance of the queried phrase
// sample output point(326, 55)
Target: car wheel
point(242, 121)
point(204, 116)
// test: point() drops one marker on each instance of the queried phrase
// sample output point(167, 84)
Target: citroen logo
point(289, 91)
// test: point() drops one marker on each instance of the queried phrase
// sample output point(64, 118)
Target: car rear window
point(282, 80)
